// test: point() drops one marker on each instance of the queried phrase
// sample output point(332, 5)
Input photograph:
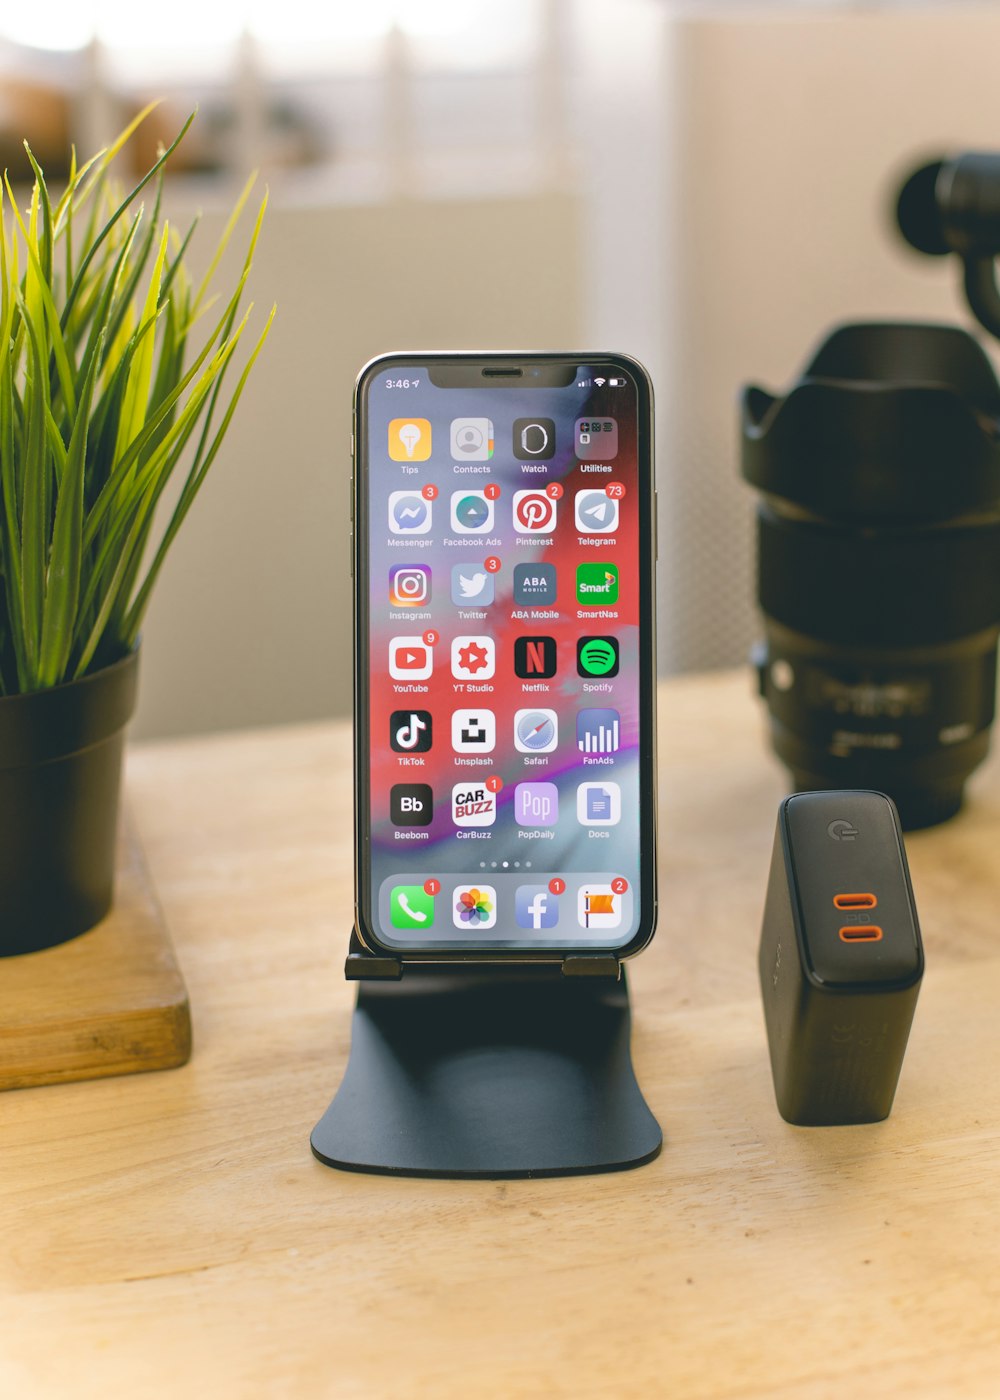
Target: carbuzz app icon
point(410, 906)
point(535, 906)
point(474, 906)
point(409, 585)
point(409, 513)
point(472, 804)
point(472, 513)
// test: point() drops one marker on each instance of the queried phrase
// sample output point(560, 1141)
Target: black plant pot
point(60, 772)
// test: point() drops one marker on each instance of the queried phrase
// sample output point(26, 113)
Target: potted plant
point(103, 400)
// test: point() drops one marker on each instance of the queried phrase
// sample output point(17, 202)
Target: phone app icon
point(534, 513)
point(471, 587)
point(409, 439)
point(410, 906)
point(472, 439)
point(410, 659)
point(596, 439)
point(534, 585)
point(535, 906)
point(471, 513)
point(474, 906)
point(598, 804)
point(596, 512)
point(473, 658)
point(473, 731)
point(410, 731)
point(409, 513)
point(596, 585)
point(409, 585)
point(598, 731)
point(472, 804)
point(534, 439)
point(536, 804)
point(411, 804)
point(597, 906)
point(535, 658)
point(536, 731)
point(597, 656)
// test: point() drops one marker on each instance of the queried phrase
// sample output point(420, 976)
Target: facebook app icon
point(535, 906)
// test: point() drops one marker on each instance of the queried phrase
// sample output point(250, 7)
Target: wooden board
point(112, 1001)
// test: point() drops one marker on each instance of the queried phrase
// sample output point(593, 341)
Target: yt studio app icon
point(472, 439)
point(536, 804)
point(471, 513)
point(409, 585)
point(473, 658)
point(410, 731)
point(534, 513)
point(598, 804)
point(535, 906)
point(596, 512)
point(409, 513)
point(534, 439)
point(411, 804)
point(473, 731)
point(534, 585)
point(471, 587)
point(410, 659)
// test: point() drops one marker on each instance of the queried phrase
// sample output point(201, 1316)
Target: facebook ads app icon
point(535, 906)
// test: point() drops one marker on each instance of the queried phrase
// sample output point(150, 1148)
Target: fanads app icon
point(597, 656)
point(409, 439)
point(598, 906)
point(598, 731)
point(534, 585)
point(535, 906)
point(472, 804)
point(536, 804)
point(598, 804)
point(471, 513)
point(596, 512)
point(596, 585)
point(472, 439)
point(534, 513)
point(473, 731)
point(411, 731)
point(409, 585)
point(409, 513)
point(471, 586)
point(410, 906)
point(473, 658)
point(474, 906)
point(410, 659)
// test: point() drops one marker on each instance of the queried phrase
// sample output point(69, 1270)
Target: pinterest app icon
point(534, 513)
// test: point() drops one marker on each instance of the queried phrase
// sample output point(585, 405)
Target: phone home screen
point(505, 650)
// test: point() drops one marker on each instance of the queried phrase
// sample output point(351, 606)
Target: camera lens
point(879, 562)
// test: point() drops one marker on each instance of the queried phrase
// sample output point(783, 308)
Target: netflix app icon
point(535, 658)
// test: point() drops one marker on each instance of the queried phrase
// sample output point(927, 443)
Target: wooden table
point(170, 1234)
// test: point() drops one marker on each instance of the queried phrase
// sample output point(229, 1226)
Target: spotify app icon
point(597, 656)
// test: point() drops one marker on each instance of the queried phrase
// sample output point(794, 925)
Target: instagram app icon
point(409, 585)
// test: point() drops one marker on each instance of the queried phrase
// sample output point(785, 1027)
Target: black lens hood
point(890, 424)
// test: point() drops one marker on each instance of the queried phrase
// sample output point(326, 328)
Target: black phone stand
point(488, 1072)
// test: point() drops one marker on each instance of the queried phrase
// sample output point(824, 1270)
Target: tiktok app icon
point(410, 731)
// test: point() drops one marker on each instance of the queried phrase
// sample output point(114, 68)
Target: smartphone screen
point(504, 654)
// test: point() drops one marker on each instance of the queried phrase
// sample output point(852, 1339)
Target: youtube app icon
point(410, 659)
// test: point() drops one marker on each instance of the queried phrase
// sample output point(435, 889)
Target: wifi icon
point(598, 382)
point(597, 656)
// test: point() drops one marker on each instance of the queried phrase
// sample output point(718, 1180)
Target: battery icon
point(616, 383)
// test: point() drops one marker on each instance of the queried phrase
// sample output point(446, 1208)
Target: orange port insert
point(854, 901)
point(861, 933)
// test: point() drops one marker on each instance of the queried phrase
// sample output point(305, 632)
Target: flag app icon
point(597, 906)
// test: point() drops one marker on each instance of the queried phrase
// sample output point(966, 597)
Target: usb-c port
point(854, 901)
point(861, 933)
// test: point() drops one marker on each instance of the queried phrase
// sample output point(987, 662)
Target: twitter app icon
point(471, 586)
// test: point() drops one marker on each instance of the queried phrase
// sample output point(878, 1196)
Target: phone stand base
point(502, 1074)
